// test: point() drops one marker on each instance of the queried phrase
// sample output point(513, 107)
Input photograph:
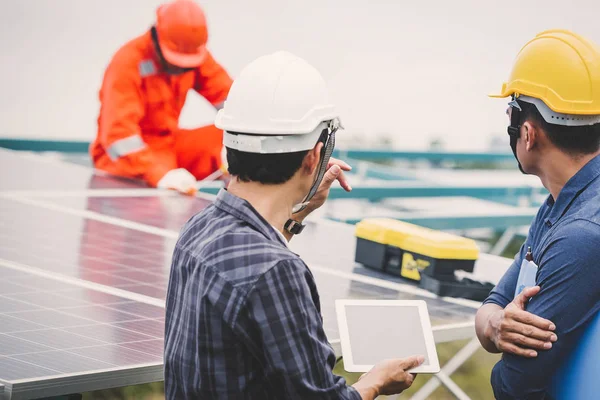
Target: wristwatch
point(293, 227)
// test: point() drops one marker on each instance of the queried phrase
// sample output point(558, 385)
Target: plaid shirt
point(243, 316)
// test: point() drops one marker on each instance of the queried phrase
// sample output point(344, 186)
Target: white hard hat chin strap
point(326, 153)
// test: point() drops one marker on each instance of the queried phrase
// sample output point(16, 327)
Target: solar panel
point(30, 172)
point(170, 211)
point(450, 213)
point(86, 249)
point(51, 330)
point(85, 263)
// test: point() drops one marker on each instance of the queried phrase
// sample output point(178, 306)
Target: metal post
point(504, 241)
point(452, 387)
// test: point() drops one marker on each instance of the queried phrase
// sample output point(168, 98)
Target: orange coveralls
point(138, 134)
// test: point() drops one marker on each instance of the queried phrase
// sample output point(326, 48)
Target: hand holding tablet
point(390, 376)
point(372, 331)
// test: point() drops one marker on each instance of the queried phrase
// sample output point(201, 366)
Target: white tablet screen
point(375, 330)
point(391, 332)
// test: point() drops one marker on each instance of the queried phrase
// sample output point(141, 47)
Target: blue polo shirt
point(565, 241)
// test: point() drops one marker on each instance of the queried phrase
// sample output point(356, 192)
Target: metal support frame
point(443, 377)
point(446, 221)
point(429, 155)
point(504, 240)
point(395, 189)
point(366, 169)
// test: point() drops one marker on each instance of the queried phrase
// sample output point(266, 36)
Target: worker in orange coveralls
point(143, 92)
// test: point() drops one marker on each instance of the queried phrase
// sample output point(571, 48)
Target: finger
point(523, 297)
point(532, 332)
point(506, 347)
point(528, 318)
point(531, 291)
point(527, 342)
point(408, 380)
point(343, 180)
point(411, 362)
point(342, 164)
point(330, 176)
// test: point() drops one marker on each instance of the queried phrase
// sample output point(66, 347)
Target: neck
point(273, 202)
point(559, 168)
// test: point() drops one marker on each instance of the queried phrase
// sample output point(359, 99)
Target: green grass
point(150, 391)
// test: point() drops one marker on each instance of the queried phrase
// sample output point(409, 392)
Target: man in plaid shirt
point(243, 315)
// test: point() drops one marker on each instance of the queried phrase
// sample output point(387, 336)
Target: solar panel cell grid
point(46, 332)
point(90, 250)
point(166, 212)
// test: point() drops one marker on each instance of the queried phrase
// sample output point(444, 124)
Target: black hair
point(268, 169)
point(573, 140)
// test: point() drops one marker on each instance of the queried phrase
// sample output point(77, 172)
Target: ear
point(531, 135)
point(311, 161)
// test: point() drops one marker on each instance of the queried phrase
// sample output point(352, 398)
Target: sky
point(408, 71)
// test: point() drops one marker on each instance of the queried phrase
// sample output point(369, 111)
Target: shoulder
point(208, 61)
point(577, 231)
point(132, 60)
point(234, 249)
point(587, 205)
point(575, 242)
point(134, 50)
point(211, 67)
point(289, 281)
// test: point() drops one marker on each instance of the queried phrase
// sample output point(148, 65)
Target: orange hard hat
point(182, 33)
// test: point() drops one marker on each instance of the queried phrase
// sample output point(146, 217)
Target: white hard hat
point(278, 104)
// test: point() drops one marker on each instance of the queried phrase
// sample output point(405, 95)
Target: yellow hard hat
point(560, 68)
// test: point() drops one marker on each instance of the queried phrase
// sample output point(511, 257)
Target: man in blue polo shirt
point(555, 135)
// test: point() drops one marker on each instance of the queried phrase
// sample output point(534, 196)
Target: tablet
point(374, 330)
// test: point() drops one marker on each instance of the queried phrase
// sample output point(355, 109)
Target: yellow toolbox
point(412, 251)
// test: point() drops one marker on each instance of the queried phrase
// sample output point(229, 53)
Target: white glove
point(178, 179)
